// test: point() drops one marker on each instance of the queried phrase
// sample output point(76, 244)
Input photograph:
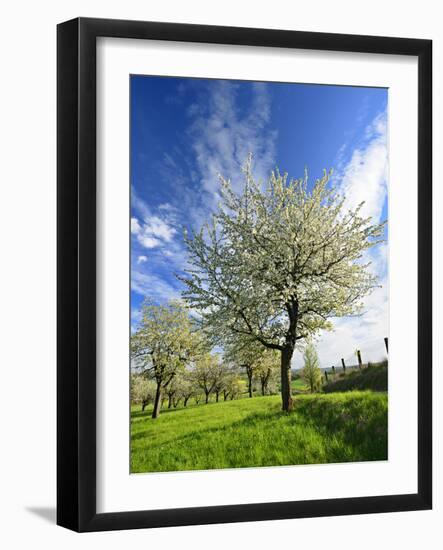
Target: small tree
point(267, 370)
point(186, 387)
point(172, 391)
point(275, 263)
point(164, 343)
point(142, 390)
point(208, 373)
point(246, 354)
point(233, 387)
point(311, 372)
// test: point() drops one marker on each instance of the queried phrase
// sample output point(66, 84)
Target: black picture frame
point(76, 280)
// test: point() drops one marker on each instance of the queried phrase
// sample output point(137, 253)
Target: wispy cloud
point(223, 134)
point(150, 285)
point(152, 230)
point(364, 178)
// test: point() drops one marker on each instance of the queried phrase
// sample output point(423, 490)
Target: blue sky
point(184, 132)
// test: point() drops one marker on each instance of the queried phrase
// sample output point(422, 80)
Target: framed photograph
point(244, 274)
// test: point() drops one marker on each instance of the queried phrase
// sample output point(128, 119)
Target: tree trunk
point(169, 401)
point(207, 398)
point(185, 401)
point(144, 403)
point(286, 356)
point(250, 384)
point(216, 396)
point(157, 401)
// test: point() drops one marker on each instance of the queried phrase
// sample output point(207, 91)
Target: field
point(338, 427)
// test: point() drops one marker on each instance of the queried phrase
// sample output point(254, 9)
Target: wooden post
point(386, 344)
point(333, 370)
point(359, 359)
point(343, 364)
point(326, 376)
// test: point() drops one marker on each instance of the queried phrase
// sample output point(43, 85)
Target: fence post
point(343, 364)
point(359, 359)
point(326, 376)
point(386, 344)
point(333, 370)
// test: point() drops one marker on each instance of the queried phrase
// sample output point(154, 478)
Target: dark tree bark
point(185, 401)
point(216, 396)
point(144, 403)
point(264, 379)
point(249, 374)
point(207, 397)
point(170, 400)
point(286, 356)
point(157, 401)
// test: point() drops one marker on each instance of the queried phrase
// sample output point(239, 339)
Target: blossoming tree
point(163, 345)
point(276, 262)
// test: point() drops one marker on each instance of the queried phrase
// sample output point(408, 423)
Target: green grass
point(299, 385)
point(255, 432)
point(374, 377)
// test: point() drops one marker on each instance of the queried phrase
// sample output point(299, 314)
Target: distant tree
point(246, 354)
point(208, 373)
point(276, 262)
point(311, 372)
point(142, 390)
point(222, 380)
point(164, 343)
point(267, 370)
point(186, 387)
point(172, 392)
point(233, 387)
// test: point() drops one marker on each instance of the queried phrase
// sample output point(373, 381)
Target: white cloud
point(148, 242)
point(142, 259)
point(364, 177)
point(135, 226)
point(156, 227)
point(153, 231)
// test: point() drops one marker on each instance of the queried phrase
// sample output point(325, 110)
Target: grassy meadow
point(322, 428)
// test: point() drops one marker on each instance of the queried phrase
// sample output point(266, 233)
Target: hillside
point(374, 377)
point(255, 432)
